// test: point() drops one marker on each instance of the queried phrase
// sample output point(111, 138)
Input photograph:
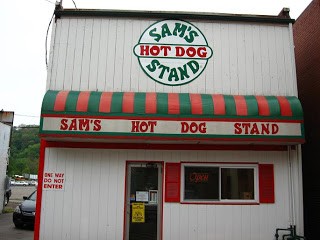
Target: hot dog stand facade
point(168, 125)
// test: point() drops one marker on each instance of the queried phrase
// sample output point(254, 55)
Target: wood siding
point(96, 54)
point(91, 206)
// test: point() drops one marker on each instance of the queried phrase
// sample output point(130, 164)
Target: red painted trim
point(173, 103)
point(151, 103)
point(196, 103)
point(128, 102)
point(43, 145)
point(285, 107)
point(165, 146)
point(219, 104)
point(61, 99)
point(241, 105)
point(172, 182)
point(266, 183)
point(173, 118)
point(211, 140)
point(83, 101)
point(105, 102)
point(263, 106)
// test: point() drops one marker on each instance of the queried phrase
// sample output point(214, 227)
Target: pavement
point(7, 229)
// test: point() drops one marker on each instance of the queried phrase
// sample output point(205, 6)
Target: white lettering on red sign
point(53, 181)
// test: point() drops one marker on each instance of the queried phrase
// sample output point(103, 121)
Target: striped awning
point(169, 107)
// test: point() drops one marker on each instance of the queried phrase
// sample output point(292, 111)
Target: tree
point(24, 150)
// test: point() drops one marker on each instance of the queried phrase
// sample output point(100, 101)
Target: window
point(210, 182)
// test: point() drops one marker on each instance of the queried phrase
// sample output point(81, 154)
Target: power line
point(23, 115)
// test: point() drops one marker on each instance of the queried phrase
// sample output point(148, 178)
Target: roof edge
point(60, 12)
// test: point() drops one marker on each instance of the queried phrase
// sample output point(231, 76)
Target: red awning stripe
point(196, 103)
point(285, 107)
point(263, 106)
point(241, 105)
point(83, 100)
point(219, 105)
point(173, 103)
point(60, 102)
point(128, 102)
point(105, 102)
point(151, 103)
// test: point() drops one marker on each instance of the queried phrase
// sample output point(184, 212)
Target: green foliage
point(24, 150)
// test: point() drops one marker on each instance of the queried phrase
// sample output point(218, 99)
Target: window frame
point(254, 166)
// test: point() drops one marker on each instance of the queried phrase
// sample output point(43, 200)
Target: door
point(143, 201)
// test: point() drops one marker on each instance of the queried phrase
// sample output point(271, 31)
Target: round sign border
point(170, 19)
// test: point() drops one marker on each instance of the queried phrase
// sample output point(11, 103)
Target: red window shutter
point(172, 182)
point(266, 183)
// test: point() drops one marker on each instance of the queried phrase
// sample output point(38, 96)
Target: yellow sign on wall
point(138, 213)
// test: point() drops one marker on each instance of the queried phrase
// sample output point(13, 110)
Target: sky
point(24, 25)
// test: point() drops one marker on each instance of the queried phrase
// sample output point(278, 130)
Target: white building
point(162, 125)
point(6, 120)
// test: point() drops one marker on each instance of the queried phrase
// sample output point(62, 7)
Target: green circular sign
point(173, 52)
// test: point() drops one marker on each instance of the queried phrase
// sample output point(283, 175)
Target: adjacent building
point(306, 33)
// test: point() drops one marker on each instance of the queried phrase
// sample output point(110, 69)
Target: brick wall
point(306, 33)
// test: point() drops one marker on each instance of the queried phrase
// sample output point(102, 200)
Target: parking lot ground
point(7, 229)
point(9, 232)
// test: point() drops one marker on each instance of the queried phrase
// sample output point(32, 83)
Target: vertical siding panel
point(72, 41)
point(63, 43)
point(237, 224)
point(217, 58)
point(255, 223)
point(135, 70)
point(68, 196)
point(59, 200)
point(76, 194)
point(250, 80)
point(103, 203)
point(242, 86)
point(288, 50)
point(86, 54)
point(233, 59)
point(112, 196)
point(55, 54)
point(119, 56)
point(273, 63)
point(281, 74)
point(202, 225)
point(103, 52)
point(120, 197)
point(94, 56)
point(78, 55)
point(245, 222)
point(264, 47)
point(85, 194)
point(50, 55)
point(111, 55)
point(257, 60)
point(208, 85)
point(183, 224)
point(225, 59)
point(192, 222)
point(127, 56)
point(94, 195)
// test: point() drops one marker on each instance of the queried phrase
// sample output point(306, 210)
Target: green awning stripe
point(252, 105)
point(49, 100)
point(185, 104)
point(140, 103)
point(94, 102)
point(295, 105)
point(162, 103)
point(230, 105)
point(116, 104)
point(207, 104)
point(71, 104)
point(273, 106)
